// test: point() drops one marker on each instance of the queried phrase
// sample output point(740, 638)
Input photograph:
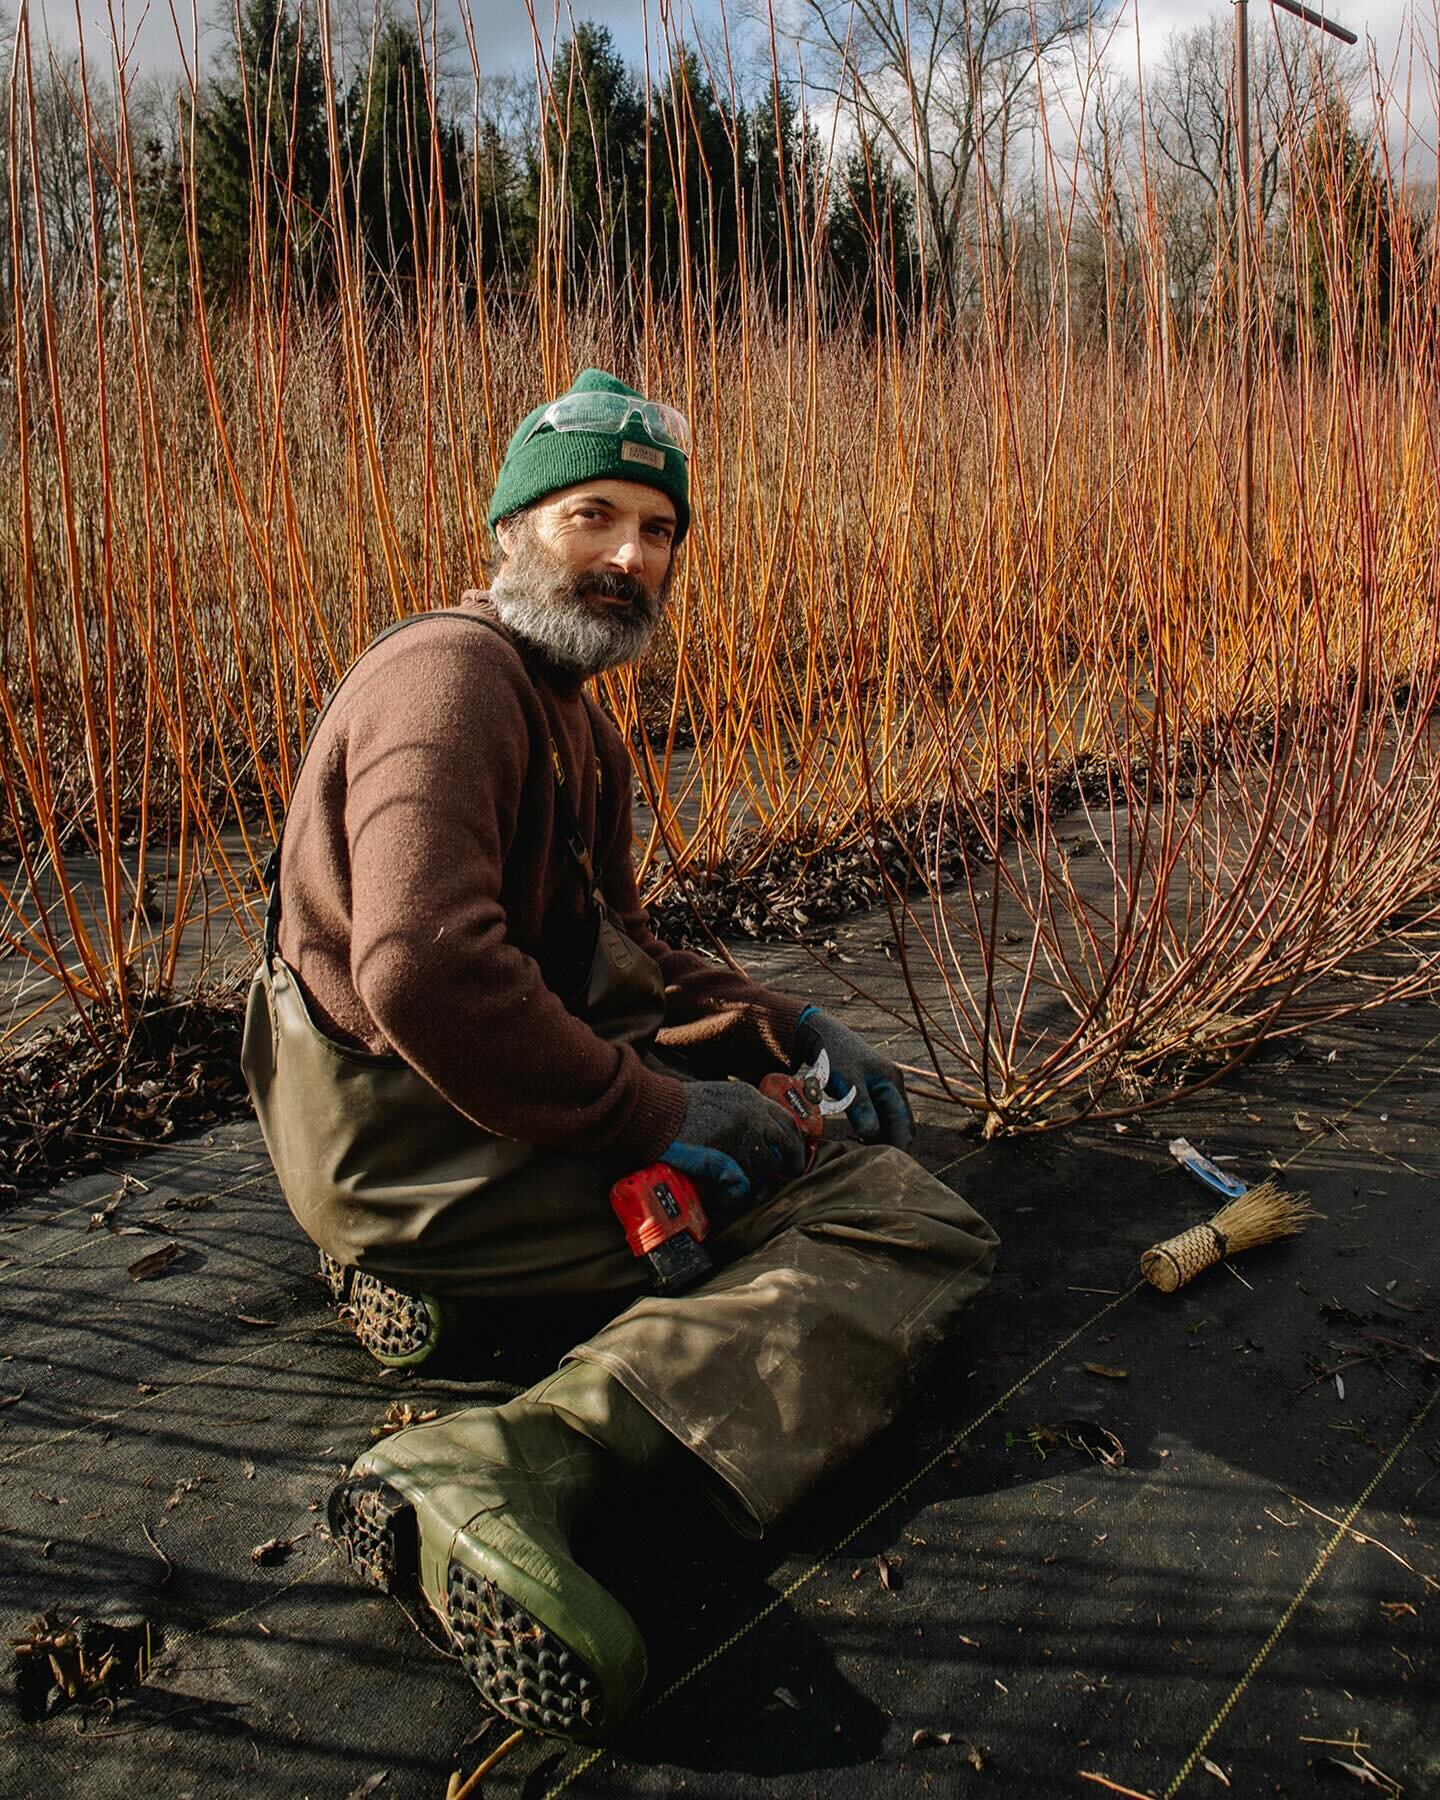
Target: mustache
point(613, 585)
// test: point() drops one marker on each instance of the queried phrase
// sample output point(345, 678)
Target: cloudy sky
point(503, 32)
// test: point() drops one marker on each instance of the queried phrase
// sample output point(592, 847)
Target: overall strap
point(574, 840)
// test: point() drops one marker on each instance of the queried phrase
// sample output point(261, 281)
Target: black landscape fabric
point(1106, 1545)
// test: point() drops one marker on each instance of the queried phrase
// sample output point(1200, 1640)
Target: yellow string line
point(1370, 1094)
point(1317, 1569)
point(843, 1543)
point(203, 1154)
point(44, 1262)
point(1232, 1699)
point(171, 1645)
point(588, 1761)
point(23, 1450)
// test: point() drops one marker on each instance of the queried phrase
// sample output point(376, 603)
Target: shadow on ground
point(977, 1604)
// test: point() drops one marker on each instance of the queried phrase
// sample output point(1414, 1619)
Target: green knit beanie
point(551, 460)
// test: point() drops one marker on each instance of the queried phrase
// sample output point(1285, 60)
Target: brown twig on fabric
point(1361, 1538)
point(1330, 1373)
point(1113, 1787)
point(472, 1787)
point(169, 1566)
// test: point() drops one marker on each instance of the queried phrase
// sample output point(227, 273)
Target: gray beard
point(542, 603)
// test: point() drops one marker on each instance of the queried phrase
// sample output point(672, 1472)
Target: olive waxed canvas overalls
point(830, 1296)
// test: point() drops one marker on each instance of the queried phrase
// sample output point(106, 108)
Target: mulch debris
point(85, 1662)
point(70, 1100)
point(775, 892)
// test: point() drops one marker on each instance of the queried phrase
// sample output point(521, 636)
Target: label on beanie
point(642, 453)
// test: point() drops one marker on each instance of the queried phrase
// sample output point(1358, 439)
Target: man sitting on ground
point(464, 1031)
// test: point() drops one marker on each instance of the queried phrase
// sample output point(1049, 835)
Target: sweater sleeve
point(436, 759)
point(718, 1018)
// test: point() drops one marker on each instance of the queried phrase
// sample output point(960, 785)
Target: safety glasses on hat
point(609, 412)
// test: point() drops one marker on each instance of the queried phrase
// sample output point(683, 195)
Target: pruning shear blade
point(815, 1078)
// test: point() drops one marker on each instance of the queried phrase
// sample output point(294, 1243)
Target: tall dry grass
point(956, 592)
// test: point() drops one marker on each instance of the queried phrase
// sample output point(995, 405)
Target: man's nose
point(627, 555)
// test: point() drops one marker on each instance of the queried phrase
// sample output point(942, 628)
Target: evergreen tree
point(404, 175)
point(160, 210)
point(593, 154)
point(695, 146)
point(262, 174)
point(499, 229)
point(1349, 250)
point(785, 160)
point(871, 236)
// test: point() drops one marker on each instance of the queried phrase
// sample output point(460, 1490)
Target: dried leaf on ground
point(369, 1785)
point(155, 1263)
point(400, 1415)
point(1365, 1773)
point(889, 1574)
point(1110, 1374)
point(789, 1699)
point(175, 1065)
point(103, 1219)
point(275, 1550)
point(930, 1734)
point(1213, 1768)
point(187, 1484)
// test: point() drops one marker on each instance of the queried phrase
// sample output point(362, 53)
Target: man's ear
point(504, 530)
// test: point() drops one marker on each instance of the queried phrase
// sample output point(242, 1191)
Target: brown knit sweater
point(430, 908)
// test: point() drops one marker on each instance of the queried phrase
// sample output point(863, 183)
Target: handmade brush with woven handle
point(1260, 1216)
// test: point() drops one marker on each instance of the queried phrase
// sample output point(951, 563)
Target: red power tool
point(661, 1210)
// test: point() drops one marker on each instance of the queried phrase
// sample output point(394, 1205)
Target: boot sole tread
point(375, 1523)
point(521, 1668)
point(398, 1329)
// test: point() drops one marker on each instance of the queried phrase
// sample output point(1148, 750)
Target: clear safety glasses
point(612, 413)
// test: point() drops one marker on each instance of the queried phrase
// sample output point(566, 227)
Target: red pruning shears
point(661, 1209)
point(804, 1097)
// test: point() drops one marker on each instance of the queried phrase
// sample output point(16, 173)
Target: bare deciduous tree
point(950, 86)
point(1189, 119)
point(65, 144)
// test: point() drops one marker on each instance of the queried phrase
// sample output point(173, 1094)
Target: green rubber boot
point(476, 1509)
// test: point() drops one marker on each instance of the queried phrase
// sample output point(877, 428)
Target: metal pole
point(1244, 279)
point(1345, 35)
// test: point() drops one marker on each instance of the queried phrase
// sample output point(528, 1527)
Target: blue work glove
point(880, 1112)
point(735, 1141)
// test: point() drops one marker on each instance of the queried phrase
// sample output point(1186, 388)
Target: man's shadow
point(762, 1692)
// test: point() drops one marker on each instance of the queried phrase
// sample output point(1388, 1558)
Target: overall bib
point(831, 1294)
